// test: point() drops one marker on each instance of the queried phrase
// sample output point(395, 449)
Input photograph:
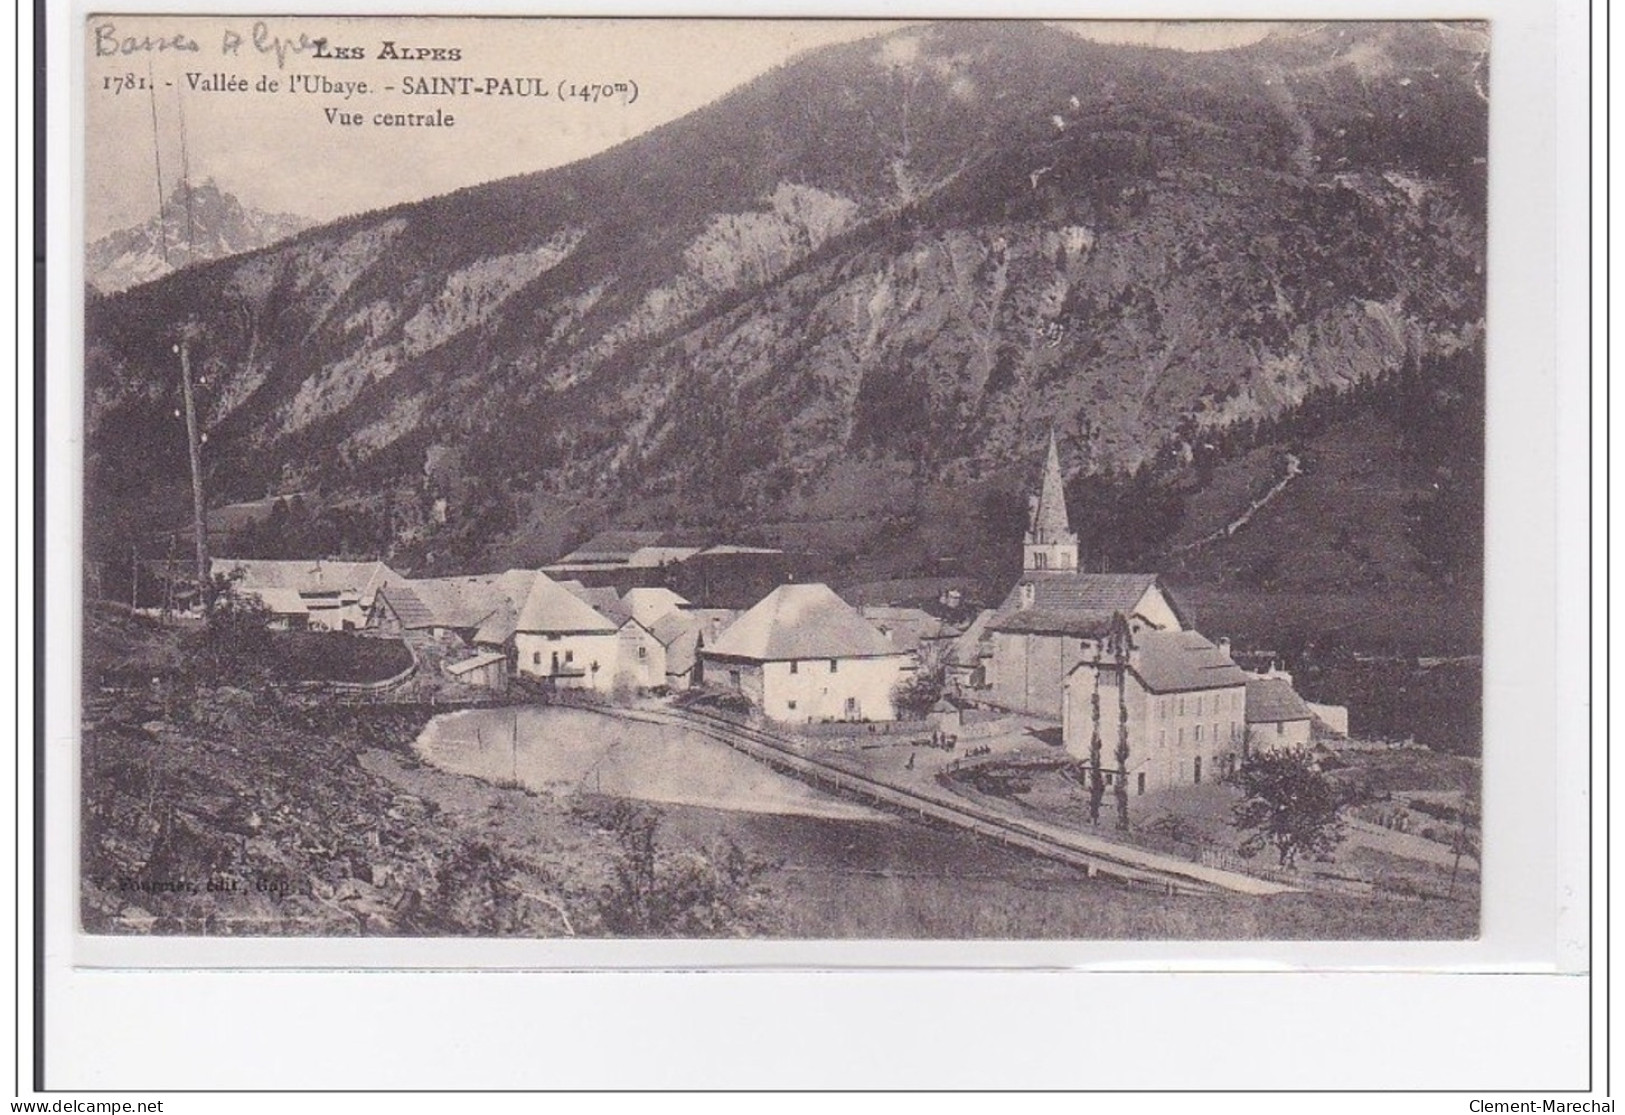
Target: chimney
point(1224, 645)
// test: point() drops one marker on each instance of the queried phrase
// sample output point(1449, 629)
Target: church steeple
point(1050, 543)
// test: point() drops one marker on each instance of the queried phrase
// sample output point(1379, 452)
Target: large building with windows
point(1176, 699)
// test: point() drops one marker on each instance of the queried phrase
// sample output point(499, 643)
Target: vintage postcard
point(815, 480)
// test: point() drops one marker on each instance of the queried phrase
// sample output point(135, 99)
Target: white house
point(1180, 698)
point(640, 658)
point(1276, 716)
point(562, 641)
point(803, 654)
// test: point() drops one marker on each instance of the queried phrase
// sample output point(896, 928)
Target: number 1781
point(125, 83)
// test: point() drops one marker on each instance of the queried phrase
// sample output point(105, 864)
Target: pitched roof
point(612, 546)
point(679, 633)
point(967, 649)
point(802, 621)
point(1270, 700)
point(487, 658)
point(512, 589)
point(282, 601)
point(729, 550)
point(1071, 602)
point(487, 602)
point(411, 611)
point(551, 608)
point(649, 605)
point(707, 622)
point(671, 627)
point(649, 557)
point(1052, 621)
point(1180, 661)
point(601, 599)
point(1049, 521)
point(308, 575)
point(445, 601)
point(907, 628)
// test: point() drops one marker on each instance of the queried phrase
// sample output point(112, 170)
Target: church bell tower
point(1050, 545)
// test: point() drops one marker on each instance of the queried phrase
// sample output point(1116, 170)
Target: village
point(1084, 718)
point(603, 620)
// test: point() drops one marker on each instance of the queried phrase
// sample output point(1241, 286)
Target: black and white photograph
point(811, 480)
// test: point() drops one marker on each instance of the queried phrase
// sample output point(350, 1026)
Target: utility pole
point(200, 533)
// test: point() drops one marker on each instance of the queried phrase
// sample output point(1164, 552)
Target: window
point(1182, 706)
point(833, 665)
point(1198, 778)
point(1198, 733)
point(1182, 744)
point(536, 659)
point(643, 652)
point(791, 705)
point(1215, 733)
point(1280, 728)
point(1040, 559)
point(1139, 783)
point(795, 667)
point(569, 657)
point(1162, 739)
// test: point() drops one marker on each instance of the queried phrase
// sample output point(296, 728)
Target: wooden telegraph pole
point(199, 531)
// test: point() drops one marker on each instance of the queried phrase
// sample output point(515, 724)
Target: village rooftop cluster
point(1110, 656)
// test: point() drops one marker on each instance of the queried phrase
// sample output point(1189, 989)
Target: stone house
point(803, 654)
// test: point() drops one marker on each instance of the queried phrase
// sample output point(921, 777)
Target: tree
point(1120, 786)
point(1286, 804)
point(235, 646)
point(913, 697)
point(657, 892)
point(1097, 780)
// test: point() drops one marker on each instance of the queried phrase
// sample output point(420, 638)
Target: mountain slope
point(907, 257)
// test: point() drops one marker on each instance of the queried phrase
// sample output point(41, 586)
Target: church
point(1058, 616)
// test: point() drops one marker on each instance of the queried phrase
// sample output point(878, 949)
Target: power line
point(186, 179)
point(157, 161)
